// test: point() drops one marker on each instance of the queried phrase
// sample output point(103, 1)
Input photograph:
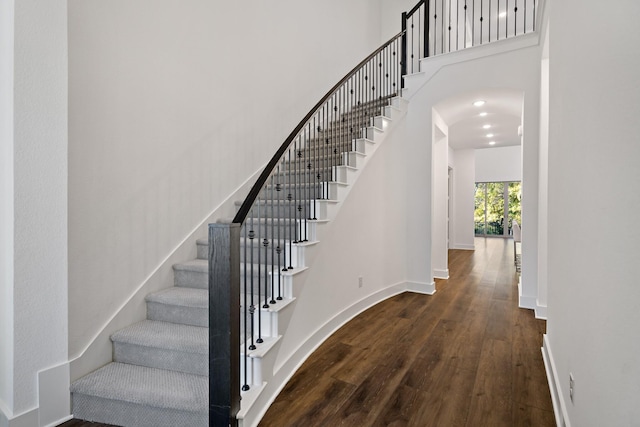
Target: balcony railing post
point(224, 325)
point(403, 55)
point(427, 3)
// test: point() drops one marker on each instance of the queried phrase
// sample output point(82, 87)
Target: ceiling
point(504, 112)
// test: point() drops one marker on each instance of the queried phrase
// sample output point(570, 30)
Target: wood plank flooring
point(466, 356)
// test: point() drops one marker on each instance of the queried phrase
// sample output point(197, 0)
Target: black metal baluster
point(506, 21)
point(515, 19)
point(489, 14)
point(465, 23)
point(265, 243)
point(252, 308)
point(281, 241)
point(457, 25)
point(244, 312)
point(274, 212)
point(260, 219)
point(481, 20)
point(299, 192)
point(473, 23)
point(442, 26)
point(412, 37)
point(498, 22)
point(403, 54)
point(425, 35)
point(288, 221)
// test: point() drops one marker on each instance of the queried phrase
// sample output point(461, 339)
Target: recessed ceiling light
point(502, 14)
point(479, 103)
point(492, 143)
point(483, 114)
point(489, 135)
point(486, 126)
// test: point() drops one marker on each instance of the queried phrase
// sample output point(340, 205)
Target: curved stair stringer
point(276, 365)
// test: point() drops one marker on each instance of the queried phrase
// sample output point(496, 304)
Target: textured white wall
point(499, 164)
point(6, 207)
point(172, 106)
point(40, 197)
point(593, 293)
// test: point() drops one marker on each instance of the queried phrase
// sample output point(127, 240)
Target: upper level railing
point(434, 27)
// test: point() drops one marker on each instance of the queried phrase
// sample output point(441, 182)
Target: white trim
point(54, 399)
point(541, 311)
point(26, 419)
point(57, 423)
point(464, 247)
point(441, 274)
point(422, 288)
point(525, 301)
point(559, 407)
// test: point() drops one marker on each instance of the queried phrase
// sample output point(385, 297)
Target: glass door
point(497, 204)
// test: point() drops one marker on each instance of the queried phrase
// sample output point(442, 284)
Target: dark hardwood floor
point(466, 356)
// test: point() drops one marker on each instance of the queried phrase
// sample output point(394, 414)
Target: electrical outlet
point(571, 386)
point(360, 282)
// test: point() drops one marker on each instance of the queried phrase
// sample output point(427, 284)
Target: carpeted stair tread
point(181, 296)
point(146, 386)
point(169, 336)
point(198, 265)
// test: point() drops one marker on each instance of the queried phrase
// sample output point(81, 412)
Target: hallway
point(466, 356)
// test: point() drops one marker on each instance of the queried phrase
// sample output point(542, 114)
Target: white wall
point(463, 233)
point(499, 164)
point(391, 13)
point(6, 208)
point(173, 105)
point(36, 305)
point(593, 293)
point(543, 193)
point(439, 197)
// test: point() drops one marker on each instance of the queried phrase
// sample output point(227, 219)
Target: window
point(497, 204)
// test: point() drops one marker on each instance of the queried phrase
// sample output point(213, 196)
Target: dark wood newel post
point(224, 324)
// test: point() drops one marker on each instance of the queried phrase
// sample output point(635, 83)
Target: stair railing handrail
point(251, 258)
point(242, 213)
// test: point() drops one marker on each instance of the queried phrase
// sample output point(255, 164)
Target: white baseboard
point(422, 288)
point(26, 419)
point(53, 392)
point(541, 311)
point(525, 301)
point(559, 408)
point(54, 401)
point(441, 274)
point(464, 247)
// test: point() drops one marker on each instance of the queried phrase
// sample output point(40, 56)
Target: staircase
point(159, 373)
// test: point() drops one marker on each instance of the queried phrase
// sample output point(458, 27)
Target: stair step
point(187, 306)
point(163, 345)
point(122, 394)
